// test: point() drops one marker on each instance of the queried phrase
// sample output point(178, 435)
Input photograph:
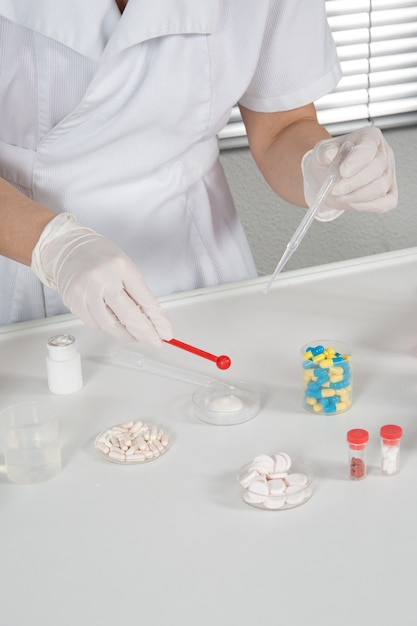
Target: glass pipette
point(123, 356)
point(305, 223)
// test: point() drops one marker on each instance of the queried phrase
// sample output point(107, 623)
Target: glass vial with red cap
point(357, 439)
point(390, 449)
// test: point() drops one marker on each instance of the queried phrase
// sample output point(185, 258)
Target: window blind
point(377, 46)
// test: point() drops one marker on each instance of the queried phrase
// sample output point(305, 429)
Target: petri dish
point(133, 443)
point(226, 403)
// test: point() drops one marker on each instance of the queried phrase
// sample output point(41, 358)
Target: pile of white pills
point(390, 456)
point(132, 442)
point(269, 483)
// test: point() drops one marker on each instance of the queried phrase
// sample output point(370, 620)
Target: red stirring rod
point(223, 362)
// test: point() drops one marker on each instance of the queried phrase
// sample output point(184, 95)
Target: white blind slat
point(377, 47)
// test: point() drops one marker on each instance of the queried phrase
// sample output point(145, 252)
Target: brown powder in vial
point(357, 468)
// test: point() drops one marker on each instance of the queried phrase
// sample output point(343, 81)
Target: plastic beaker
point(30, 440)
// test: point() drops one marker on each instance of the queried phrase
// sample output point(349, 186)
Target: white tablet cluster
point(274, 482)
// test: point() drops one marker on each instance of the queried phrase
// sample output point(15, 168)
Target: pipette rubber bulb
point(223, 362)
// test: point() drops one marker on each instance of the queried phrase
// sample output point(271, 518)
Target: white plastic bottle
point(63, 363)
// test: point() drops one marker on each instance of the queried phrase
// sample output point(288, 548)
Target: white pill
point(263, 464)
point(295, 495)
point(136, 427)
point(115, 441)
point(165, 440)
point(276, 487)
point(259, 486)
point(277, 502)
point(127, 425)
point(225, 404)
point(248, 476)
point(282, 462)
point(253, 498)
point(154, 449)
point(131, 450)
point(389, 467)
point(103, 447)
point(134, 458)
point(117, 454)
point(153, 433)
point(141, 443)
point(297, 478)
point(389, 451)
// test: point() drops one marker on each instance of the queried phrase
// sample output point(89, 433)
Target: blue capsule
point(312, 393)
point(308, 365)
point(317, 350)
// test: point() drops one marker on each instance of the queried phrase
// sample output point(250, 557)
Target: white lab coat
point(115, 119)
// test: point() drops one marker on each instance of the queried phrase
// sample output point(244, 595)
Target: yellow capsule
point(318, 358)
point(336, 379)
point(326, 363)
point(311, 401)
point(341, 406)
point(337, 370)
point(308, 355)
point(326, 384)
point(317, 408)
point(328, 393)
point(330, 352)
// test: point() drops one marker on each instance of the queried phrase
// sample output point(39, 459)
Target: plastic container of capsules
point(327, 378)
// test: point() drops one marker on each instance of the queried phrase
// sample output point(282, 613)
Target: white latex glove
point(98, 282)
point(367, 175)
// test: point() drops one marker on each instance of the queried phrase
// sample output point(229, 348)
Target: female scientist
point(111, 190)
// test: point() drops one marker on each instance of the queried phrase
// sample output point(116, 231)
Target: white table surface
point(171, 542)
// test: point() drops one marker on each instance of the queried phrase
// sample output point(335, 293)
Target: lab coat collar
point(147, 19)
point(101, 28)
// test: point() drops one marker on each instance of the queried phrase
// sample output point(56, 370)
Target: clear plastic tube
point(305, 223)
point(140, 361)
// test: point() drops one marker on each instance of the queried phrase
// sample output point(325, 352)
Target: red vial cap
point(358, 436)
point(391, 432)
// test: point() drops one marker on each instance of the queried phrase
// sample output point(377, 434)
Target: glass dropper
point(308, 218)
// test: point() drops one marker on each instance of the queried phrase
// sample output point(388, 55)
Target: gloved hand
point(98, 282)
point(367, 175)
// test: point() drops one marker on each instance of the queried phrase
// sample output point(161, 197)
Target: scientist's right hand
point(99, 283)
point(367, 180)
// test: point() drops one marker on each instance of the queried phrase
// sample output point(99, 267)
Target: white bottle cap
point(62, 347)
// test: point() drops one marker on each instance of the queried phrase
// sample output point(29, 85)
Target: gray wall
point(270, 222)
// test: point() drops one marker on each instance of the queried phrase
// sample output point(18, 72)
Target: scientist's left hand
point(367, 174)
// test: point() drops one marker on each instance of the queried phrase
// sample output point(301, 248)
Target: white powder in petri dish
point(225, 404)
